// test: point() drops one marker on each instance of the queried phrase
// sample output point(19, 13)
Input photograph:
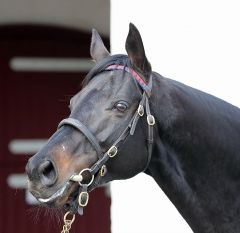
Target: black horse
point(191, 148)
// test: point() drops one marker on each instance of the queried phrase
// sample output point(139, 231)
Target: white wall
point(195, 42)
point(79, 14)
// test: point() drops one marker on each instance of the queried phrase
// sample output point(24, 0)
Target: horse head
point(104, 137)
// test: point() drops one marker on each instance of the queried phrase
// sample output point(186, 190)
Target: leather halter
point(100, 167)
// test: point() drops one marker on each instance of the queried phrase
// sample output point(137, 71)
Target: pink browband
point(140, 81)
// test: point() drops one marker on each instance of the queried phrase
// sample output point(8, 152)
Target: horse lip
point(56, 195)
point(61, 191)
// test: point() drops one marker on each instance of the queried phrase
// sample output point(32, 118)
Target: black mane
point(207, 101)
point(199, 115)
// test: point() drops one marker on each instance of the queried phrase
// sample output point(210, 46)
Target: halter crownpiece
point(146, 87)
point(99, 169)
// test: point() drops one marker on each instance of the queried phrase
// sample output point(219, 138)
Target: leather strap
point(86, 132)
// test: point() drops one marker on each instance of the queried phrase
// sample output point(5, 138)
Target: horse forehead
point(92, 87)
point(106, 82)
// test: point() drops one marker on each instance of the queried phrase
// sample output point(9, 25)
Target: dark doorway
point(35, 89)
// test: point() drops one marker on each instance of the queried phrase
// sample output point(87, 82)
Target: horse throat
point(167, 172)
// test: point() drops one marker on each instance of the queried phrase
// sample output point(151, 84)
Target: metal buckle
point(150, 120)
point(112, 151)
point(83, 199)
point(140, 110)
point(103, 170)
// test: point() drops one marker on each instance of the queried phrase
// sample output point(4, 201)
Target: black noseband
point(83, 129)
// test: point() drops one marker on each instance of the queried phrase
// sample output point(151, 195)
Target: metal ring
point(92, 179)
point(70, 220)
point(112, 151)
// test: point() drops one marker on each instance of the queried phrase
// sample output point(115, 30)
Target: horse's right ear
point(98, 50)
point(136, 52)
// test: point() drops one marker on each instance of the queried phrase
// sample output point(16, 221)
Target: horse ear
point(136, 52)
point(98, 50)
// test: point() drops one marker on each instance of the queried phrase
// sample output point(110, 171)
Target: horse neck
point(187, 163)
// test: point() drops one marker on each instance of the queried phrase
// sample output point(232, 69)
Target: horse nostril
point(47, 172)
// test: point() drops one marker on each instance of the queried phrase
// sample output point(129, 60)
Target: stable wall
point(194, 42)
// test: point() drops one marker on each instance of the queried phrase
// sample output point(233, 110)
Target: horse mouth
point(65, 196)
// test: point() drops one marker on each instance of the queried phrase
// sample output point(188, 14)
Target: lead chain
point(67, 223)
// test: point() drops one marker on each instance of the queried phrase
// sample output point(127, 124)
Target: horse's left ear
point(136, 52)
point(98, 50)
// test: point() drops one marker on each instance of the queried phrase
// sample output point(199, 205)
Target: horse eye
point(121, 106)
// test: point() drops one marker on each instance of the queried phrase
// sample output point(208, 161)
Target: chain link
point(67, 223)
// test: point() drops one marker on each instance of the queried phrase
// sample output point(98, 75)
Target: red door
point(37, 80)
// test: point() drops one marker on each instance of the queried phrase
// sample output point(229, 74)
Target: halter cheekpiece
point(99, 169)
